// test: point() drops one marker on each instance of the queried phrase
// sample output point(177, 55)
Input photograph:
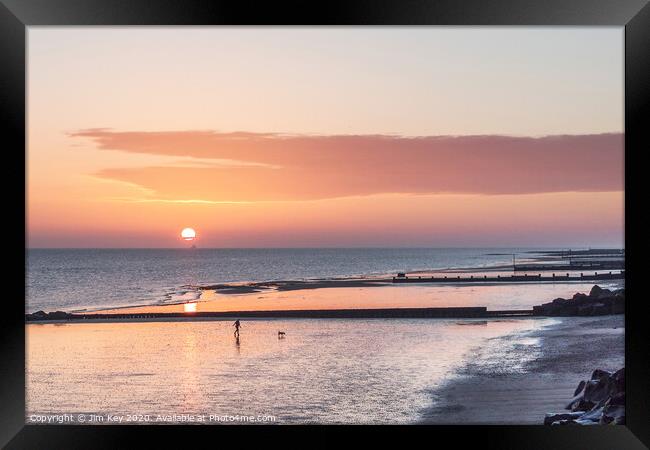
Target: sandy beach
point(505, 391)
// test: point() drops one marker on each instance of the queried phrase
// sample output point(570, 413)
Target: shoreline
point(238, 289)
point(491, 391)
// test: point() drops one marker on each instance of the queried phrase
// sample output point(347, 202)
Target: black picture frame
point(16, 15)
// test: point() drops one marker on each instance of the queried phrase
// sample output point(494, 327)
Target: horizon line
point(594, 247)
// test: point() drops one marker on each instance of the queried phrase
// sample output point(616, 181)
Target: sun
point(188, 234)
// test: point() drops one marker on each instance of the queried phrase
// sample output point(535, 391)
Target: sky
point(325, 137)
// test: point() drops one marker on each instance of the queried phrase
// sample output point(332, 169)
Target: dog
point(281, 334)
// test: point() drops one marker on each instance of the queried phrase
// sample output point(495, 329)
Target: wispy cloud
point(284, 167)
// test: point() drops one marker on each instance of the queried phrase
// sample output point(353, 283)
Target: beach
point(505, 391)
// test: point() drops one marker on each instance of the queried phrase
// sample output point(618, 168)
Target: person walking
point(237, 326)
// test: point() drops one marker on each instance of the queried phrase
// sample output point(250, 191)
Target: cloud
point(286, 167)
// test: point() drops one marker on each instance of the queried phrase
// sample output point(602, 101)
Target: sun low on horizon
point(188, 234)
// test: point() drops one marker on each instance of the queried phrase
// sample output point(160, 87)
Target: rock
point(595, 291)
point(58, 315)
point(600, 375)
point(618, 304)
point(579, 404)
point(580, 387)
point(551, 417)
point(599, 302)
point(600, 400)
point(594, 415)
point(619, 381)
point(614, 415)
point(617, 400)
point(579, 296)
point(598, 292)
point(593, 309)
point(614, 410)
point(39, 315)
point(585, 422)
point(596, 391)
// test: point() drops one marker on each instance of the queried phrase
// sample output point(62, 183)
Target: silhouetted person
point(237, 326)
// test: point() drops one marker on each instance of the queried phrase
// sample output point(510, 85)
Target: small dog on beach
point(281, 334)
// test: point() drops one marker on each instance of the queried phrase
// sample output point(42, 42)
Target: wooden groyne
point(512, 278)
point(574, 265)
point(479, 312)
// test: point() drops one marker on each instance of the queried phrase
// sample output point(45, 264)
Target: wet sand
point(287, 285)
point(503, 392)
point(448, 280)
point(494, 297)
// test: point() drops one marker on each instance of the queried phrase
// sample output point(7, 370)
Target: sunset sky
point(327, 137)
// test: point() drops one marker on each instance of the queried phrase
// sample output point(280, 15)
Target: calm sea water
point(75, 279)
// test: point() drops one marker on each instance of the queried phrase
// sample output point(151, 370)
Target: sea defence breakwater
point(596, 276)
point(383, 313)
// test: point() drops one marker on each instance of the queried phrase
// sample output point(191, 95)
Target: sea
point(90, 279)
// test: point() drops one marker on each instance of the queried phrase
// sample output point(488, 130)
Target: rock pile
point(599, 302)
point(42, 315)
point(600, 400)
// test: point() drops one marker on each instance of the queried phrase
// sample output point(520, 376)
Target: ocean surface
point(90, 279)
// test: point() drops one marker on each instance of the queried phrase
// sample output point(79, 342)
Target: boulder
point(600, 375)
point(595, 291)
point(593, 309)
point(614, 410)
point(41, 315)
point(618, 304)
point(585, 422)
point(58, 315)
point(38, 315)
point(579, 404)
point(579, 296)
point(598, 292)
point(619, 381)
point(599, 400)
point(594, 415)
point(599, 302)
point(580, 387)
point(551, 417)
point(597, 391)
point(565, 422)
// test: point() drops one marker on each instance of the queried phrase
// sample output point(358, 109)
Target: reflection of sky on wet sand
point(494, 297)
point(364, 371)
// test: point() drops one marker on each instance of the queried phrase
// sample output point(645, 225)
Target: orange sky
point(125, 150)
